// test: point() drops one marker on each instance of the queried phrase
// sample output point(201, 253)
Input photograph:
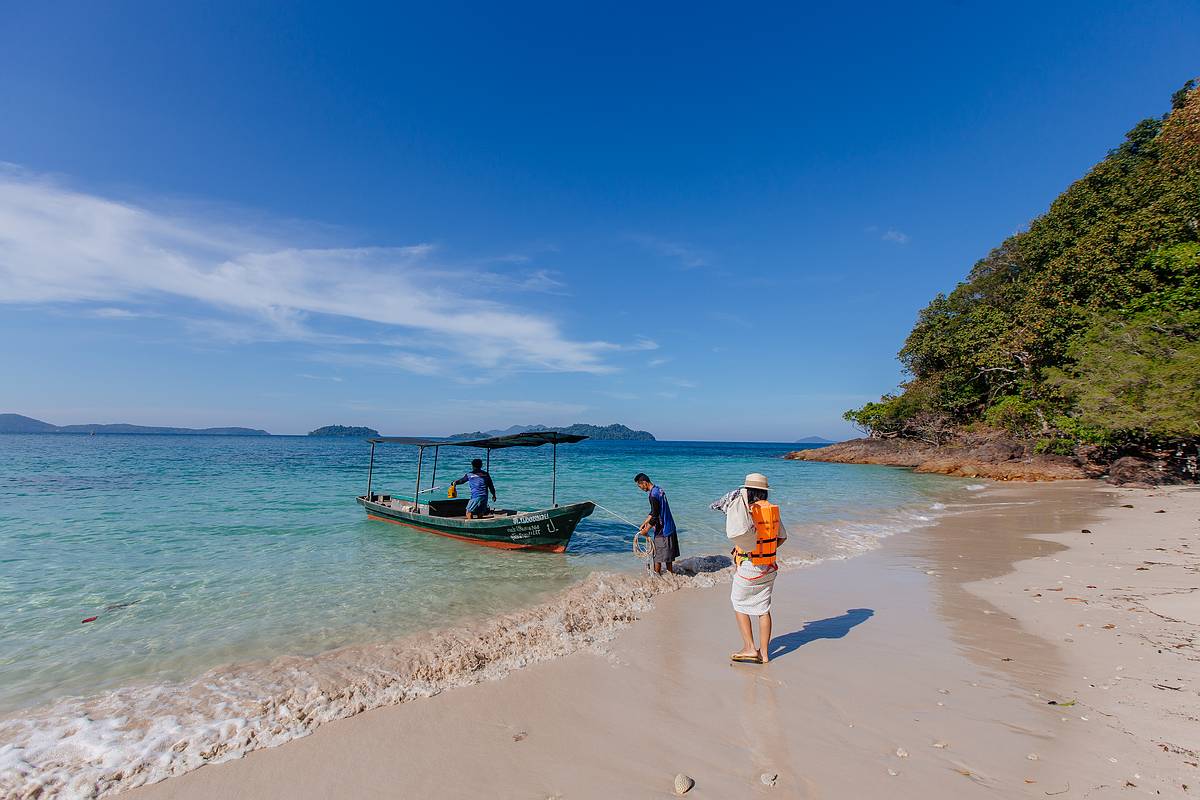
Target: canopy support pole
point(370, 469)
point(554, 476)
point(417, 491)
point(489, 460)
point(433, 477)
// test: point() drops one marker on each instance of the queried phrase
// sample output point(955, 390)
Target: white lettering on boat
point(523, 533)
point(531, 518)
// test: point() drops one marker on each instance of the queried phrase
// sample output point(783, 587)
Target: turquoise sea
point(193, 552)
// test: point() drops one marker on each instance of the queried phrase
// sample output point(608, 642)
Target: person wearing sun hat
point(754, 577)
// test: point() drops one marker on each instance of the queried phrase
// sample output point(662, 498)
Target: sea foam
point(97, 746)
point(100, 745)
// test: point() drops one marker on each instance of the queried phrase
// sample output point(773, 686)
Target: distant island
point(814, 440)
point(345, 430)
point(613, 432)
point(16, 423)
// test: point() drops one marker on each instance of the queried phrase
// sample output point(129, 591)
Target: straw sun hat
point(756, 480)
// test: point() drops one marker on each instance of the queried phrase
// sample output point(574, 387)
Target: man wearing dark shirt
point(666, 543)
point(481, 483)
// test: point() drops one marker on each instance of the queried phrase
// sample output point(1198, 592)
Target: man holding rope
point(665, 542)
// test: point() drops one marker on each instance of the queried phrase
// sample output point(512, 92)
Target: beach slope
point(925, 669)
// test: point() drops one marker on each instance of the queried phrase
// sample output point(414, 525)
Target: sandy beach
point(930, 668)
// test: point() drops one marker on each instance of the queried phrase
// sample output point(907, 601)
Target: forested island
point(345, 430)
point(17, 423)
point(1073, 348)
point(613, 432)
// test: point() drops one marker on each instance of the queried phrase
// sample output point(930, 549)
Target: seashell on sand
point(683, 784)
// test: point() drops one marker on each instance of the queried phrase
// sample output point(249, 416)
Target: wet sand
point(923, 669)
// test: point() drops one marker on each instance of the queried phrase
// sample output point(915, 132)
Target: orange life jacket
point(766, 526)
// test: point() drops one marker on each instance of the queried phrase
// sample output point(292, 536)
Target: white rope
point(642, 544)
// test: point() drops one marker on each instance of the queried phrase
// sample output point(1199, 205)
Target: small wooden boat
point(547, 529)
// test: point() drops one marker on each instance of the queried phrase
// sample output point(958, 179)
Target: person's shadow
point(831, 628)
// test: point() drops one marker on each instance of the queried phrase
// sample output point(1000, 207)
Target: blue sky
point(707, 221)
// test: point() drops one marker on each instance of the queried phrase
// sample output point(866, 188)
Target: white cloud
point(107, 312)
point(893, 235)
point(60, 246)
point(535, 412)
point(728, 318)
point(657, 362)
point(688, 257)
point(333, 378)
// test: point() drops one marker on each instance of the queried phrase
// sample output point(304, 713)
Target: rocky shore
point(998, 457)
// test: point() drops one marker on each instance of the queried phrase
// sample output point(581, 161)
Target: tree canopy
point(1083, 328)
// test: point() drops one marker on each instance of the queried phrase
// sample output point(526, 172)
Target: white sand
point(940, 692)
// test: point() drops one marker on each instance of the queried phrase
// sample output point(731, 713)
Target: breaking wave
point(100, 745)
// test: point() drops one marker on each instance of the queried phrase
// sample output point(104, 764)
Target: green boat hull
point(548, 530)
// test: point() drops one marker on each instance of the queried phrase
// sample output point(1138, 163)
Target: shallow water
point(242, 598)
point(195, 551)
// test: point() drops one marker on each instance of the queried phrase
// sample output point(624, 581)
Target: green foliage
point(884, 418)
point(1137, 378)
point(1057, 446)
point(911, 414)
point(1020, 344)
point(1014, 414)
point(1179, 99)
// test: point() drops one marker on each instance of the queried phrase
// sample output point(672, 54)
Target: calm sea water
point(196, 551)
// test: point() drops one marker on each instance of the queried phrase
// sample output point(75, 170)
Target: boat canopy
point(527, 439)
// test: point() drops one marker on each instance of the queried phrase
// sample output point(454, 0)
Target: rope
point(643, 546)
point(615, 514)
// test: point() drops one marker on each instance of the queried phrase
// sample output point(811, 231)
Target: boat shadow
point(830, 628)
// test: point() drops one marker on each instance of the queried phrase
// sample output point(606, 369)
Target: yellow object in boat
point(452, 491)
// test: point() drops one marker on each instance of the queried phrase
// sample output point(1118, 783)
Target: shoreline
point(591, 620)
point(941, 690)
point(991, 456)
point(142, 732)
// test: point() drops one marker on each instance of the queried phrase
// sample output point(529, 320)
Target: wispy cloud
point(60, 246)
point(689, 257)
point(727, 318)
point(536, 412)
point(333, 378)
point(657, 362)
point(889, 234)
point(543, 280)
point(108, 312)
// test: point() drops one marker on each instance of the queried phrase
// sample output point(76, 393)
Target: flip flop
point(746, 659)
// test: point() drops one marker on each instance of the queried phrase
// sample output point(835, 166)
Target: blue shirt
point(479, 481)
point(660, 512)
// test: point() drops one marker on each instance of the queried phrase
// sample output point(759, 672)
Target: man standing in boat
point(666, 543)
point(481, 484)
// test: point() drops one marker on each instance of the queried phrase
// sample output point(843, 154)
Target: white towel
point(751, 591)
